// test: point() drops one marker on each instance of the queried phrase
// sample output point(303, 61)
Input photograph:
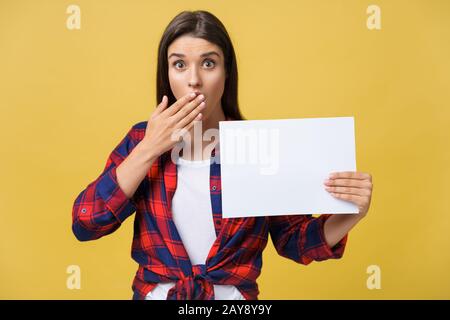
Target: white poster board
point(277, 167)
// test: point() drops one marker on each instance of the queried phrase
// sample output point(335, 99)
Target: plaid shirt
point(235, 257)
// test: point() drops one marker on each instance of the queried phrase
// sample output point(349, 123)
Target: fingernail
point(192, 94)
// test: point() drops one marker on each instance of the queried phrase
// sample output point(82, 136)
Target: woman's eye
point(207, 63)
point(177, 64)
point(211, 63)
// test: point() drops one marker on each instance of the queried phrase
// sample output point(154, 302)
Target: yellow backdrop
point(67, 97)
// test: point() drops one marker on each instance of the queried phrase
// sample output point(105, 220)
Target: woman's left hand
point(351, 186)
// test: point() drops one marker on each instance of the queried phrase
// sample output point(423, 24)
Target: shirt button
point(214, 188)
point(83, 210)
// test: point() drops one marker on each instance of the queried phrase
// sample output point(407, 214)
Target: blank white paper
point(277, 167)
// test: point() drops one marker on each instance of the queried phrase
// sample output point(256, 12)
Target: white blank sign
point(277, 167)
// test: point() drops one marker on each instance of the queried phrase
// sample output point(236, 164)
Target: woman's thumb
point(163, 103)
point(160, 108)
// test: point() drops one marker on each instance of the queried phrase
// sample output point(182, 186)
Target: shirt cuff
point(115, 199)
point(321, 250)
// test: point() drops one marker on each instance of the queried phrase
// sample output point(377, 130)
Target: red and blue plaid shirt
point(236, 255)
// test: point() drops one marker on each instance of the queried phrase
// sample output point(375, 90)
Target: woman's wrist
point(147, 151)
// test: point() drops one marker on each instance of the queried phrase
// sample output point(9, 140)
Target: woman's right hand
point(164, 122)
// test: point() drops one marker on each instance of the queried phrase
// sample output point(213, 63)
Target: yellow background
point(68, 97)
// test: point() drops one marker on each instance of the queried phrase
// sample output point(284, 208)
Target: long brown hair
point(205, 25)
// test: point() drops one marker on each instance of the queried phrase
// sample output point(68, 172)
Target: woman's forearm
point(338, 225)
point(133, 169)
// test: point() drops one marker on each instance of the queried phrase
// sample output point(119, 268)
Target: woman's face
point(197, 65)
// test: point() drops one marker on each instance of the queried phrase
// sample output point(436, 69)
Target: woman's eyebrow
point(209, 53)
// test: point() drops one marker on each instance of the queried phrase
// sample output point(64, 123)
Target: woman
point(185, 250)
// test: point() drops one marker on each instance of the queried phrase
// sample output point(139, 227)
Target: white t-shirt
point(192, 215)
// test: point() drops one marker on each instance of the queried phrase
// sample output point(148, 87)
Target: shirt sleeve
point(301, 238)
point(102, 206)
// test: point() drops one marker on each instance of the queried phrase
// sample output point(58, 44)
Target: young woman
point(185, 250)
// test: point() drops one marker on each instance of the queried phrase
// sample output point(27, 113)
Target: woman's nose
point(194, 79)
